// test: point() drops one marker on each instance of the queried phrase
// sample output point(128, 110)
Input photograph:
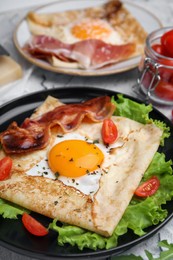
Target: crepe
point(102, 211)
point(124, 28)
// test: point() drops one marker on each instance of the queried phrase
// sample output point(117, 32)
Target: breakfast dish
point(37, 197)
point(90, 40)
point(71, 152)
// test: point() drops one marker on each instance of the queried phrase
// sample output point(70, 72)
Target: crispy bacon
point(34, 134)
point(31, 137)
point(90, 53)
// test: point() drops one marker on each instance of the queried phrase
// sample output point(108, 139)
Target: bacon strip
point(90, 54)
point(34, 134)
point(16, 140)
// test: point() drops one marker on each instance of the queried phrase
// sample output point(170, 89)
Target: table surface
point(38, 79)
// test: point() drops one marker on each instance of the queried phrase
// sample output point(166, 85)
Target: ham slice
point(89, 54)
point(34, 134)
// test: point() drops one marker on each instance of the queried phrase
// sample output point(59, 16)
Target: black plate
point(13, 235)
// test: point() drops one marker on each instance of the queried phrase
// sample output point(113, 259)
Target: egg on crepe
point(109, 174)
point(109, 18)
point(89, 28)
point(76, 161)
point(111, 23)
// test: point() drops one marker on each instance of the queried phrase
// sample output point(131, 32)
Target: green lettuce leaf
point(149, 211)
point(131, 109)
point(77, 236)
point(164, 128)
point(140, 113)
point(10, 210)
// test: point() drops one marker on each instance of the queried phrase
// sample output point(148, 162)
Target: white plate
point(148, 20)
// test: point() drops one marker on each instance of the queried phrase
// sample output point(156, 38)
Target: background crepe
point(59, 25)
point(56, 200)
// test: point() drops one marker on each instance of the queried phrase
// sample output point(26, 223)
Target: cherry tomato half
point(167, 43)
point(148, 188)
point(33, 226)
point(5, 168)
point(109, 131)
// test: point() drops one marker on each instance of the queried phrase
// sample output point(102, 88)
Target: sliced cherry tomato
point(157, 48)
point(109, 131)
point(33, 226)
point(164, 90)
point(167, 43)
point(5, 168)
point(148, 188)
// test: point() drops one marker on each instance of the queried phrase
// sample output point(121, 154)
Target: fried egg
point(76, 161)
point(88, 28)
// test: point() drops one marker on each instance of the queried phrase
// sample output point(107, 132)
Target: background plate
point(12, 233)
point(148, 20)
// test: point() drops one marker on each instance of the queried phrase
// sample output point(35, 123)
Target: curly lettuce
point(140, 113)
point(128, 108)
point(10, 210)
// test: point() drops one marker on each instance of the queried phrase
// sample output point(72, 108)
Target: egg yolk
point(91, 29)
point(74, 158)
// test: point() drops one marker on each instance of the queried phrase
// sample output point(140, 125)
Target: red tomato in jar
point(166, 73)
point(167, 43)
point(157, 48)
point(171, 80)
point(167, 62)
point(164, 90)
point(148, 188)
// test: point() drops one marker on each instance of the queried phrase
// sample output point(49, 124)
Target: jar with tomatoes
point(156, 66)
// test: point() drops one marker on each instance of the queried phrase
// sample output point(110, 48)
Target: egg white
point(87, 184)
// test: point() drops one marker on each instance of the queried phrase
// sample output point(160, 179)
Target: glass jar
point(156, 71)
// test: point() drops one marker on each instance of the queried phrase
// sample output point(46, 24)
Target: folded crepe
point(91, 37)
point(100, 212)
